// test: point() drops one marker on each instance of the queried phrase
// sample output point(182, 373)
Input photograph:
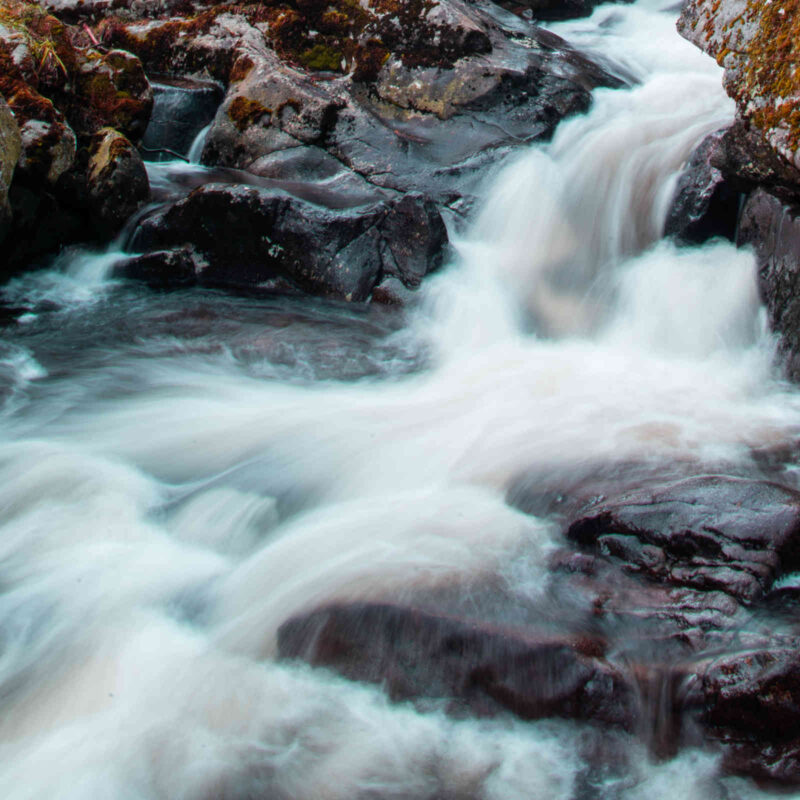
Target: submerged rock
point(418, 655)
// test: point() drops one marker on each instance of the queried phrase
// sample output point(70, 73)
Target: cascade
point(187, 478)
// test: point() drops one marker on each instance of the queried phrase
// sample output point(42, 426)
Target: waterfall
point(181, 473)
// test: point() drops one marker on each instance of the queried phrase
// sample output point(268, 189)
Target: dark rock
point(552, 10)
point(772, 227)
point(117, 181)
point(247, 237)
point(181, 109)
point(160, 270)
point(748, 162)
point(705, 204)
point(484, 669)
point(708, 533)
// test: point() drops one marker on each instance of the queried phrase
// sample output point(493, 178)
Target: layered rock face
point(758, 158)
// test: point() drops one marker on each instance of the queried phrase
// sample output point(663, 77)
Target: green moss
point(322, 57)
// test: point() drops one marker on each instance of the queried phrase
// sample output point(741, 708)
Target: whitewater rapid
point(182, 473)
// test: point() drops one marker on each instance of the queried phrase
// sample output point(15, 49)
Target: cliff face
point(757, 42)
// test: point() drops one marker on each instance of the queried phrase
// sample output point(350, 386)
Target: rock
point(750, 702)
point(181, 109)
point(117, 181)
point(247, 237)
point(165, 269)
point(557, 9)
point(755, 42)
point(705, 204)
point(62, 90)
point(772, 227)
point(710, 533)
point(411, 96)
point(418, 655)
point(748, 162)
point(48, 148)
point(10, 151)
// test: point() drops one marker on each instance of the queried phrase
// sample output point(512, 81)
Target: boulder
point(772, 227)
point(117, 181)
point(254, 238)
point(705, 204)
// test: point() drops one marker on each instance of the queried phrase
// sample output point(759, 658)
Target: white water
point(156, 534)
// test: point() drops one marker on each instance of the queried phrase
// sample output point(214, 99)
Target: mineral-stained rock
point(757, 44)
point(10, 150)
point(772, 227)
point(705, 204)
point(248, 237)
point(117, 180)
point(415, 654)
point(62, 88)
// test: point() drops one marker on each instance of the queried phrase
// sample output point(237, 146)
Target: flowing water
point(180, 473)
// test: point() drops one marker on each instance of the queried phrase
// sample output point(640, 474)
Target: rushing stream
point(180, 473)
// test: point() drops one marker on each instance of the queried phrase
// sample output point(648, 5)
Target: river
point(182, 472)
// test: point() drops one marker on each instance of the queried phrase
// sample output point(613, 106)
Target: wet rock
point(117, 181)
point(10, 151)
point(418, 655)
point(410, 96)
point(247, 237)
point(165, 269)
point(705, 204)
point(772, 227)
point(709, 533)
point(557, 9)
point(181, 109)
point(749, 701)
